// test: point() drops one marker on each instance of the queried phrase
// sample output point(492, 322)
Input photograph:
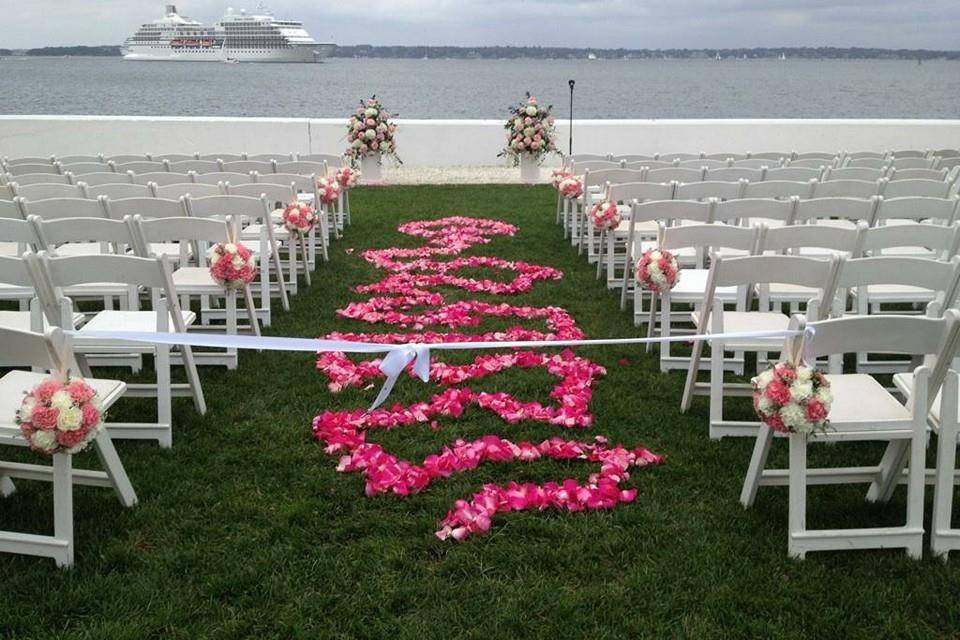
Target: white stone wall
point(445, 143)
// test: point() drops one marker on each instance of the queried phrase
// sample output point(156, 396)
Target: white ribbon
point(400, 356)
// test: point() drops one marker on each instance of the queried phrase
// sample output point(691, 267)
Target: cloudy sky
point(931, 24)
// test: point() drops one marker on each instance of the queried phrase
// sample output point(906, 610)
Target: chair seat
point(169, 249)
point(252, 233)
point(786, 292)
point(692, 286)
point(196, 281)
point(21, 320)
point(112, 320)
point(743, 321)
point(645, 228)
point(908, 252)
point(14, 384)
point(858, 397)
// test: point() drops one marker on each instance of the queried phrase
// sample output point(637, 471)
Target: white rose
point(804, 373)
point(801, 390)
point(654, 269)
point(764, 378)
point(44, 440)
point(357, 143)
point(357, 125)
point(766, 406)
point(61, 400)
point(655, 256)
point(230, 248)
point(532, 110)
point(238, 262)
point(69, 419)
point(26, 409)
point(371, 113)
point(825, 396)
point(369, 134)
point(794, 416)
point(381, 127)
point(518, 124)
point(529, 132)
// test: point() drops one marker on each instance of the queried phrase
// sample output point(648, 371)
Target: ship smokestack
point(171, 9)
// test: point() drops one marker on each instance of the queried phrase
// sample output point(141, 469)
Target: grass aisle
point(244, 528)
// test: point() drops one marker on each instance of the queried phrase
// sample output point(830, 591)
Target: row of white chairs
point(777, 158)
point(331, 159)
point(11, 172)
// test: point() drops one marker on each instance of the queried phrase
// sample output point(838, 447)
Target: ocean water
point(486, 88)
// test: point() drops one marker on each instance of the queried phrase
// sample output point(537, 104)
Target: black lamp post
point(571, 82)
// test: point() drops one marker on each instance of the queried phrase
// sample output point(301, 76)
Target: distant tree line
point(487, 53)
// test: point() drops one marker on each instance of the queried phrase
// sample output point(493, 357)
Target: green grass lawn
point(244, 529)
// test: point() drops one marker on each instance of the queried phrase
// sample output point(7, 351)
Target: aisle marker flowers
point(530, 131)
point(792, 398)
point(657, 270)
point(605, 215)
point(299, 217)
point(60, 416)
point(347, 178)
point(232, 264)
point(371, 132)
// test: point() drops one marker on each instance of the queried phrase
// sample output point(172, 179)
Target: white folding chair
point(755, 211)
point(848, 188)
point(839, 212)
point(779, 189)
point(39, 178)
point(735, 174)
point(712, 318)
point(160, 178)
point(165, 316)
point(793, 174)
point(855, 173)
point(218, 177)
point(247, 166)
point(50, 351)
point(117, 191)
point(177, 191)
point(101, 178)
point(917, 188)
point(864, 411)
point(306, 189)
point(708, 189)
point(47, 191)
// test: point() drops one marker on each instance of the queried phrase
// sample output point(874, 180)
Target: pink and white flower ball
point(605, 215)
point(299, 217)
point(792, 398)
point(571, 188)
point(232, 265)
point(658, 271)
point(60, 417)
point(328, 189)
point(559, 175)
point(347, 178)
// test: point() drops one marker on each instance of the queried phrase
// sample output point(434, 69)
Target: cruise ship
point(237, 37)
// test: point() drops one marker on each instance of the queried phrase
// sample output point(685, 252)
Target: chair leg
point(652, 321)
point(7, 488)
point(281, 281)
point(231, 296)
point(692, 369)
point(915, 487)
point(248, 299)
point(599, 254)
point(193, 377)
point(63, 506)
point(306, 262)
point(666, 329)
point(943, 488)
point(758, 462)
point(110, 462)
point(891, 464)
point(716, 385)
point(798, 493)
point(164, 395)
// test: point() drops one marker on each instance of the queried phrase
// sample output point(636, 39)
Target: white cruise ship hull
point(296, 53)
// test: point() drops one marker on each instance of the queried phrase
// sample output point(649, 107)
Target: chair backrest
point(918, 187)
point(222, 176)
point(910, 153)
point(140, 166)
point(725, 156)
point(796, 174)
point(30, 167)
point(225, 157)
point(6, 193)
point(708, 189)
point(120, 191)
point(78, 168)
point(874, 163)
point(648, 164)
point(757, 163)
point(950, 162)
point(52, 233)
point(780, 269)
point(301, 184)
point(836, 208)
point(15, 272)
point(677, 174)
point(855, 173)
point(145, 207)
point(914, 174)
point(65, 160)
point(933, 275)
point(711, 238)
point(613, 176)
point(40, 178)
point(46, 191)
point(943, 240)
point(770, 155)
point(847, 189)
point(331, 159)
point(703, 163)
point(27, 160)
point(174, 191)
point(815, 155)
point(197, 166)
point(812, 163)
point(17, 230)
point(273, 192)
point(672, 211)
point(10, 210)
point(180, 229)
point(239, 207)
point(301, 167)
point(172, 157)
point(778, 189)
point(97, 179)
point(125, 157)
point(678, 156)
point(275, 157)
point(56, 208)
point(944, 210)
point(913, 163)
point(629, 157)
point(735, 174)
point(746, 209)
point(639, 191)
point(49, 351)
point(246, 166)
point(805, 236)
point(161, 178)
point(580, 167)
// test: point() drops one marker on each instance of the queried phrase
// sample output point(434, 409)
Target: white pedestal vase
point(371, 169)
point(529, 169)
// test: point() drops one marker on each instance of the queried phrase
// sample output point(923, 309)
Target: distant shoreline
point(561, 53)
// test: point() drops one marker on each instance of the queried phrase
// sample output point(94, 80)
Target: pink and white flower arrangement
point(232, 264)
point(299, 217)
point(530, 132)
point(792, 398)
point(657, 270)
point(328, 190)
point(370, 132)
point(60, 416)
point(347, 178)
point(605, 215)
point(559, 175)
point(570, 187)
